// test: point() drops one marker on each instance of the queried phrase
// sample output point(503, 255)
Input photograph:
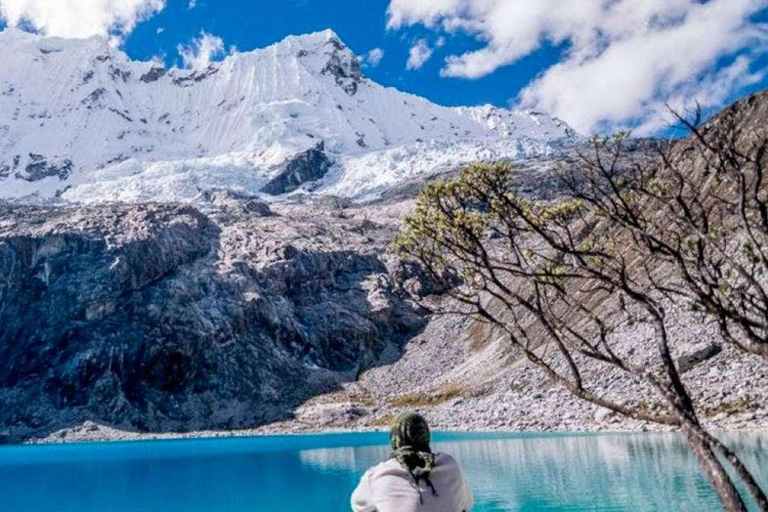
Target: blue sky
point(361, 24)
point(599, 64)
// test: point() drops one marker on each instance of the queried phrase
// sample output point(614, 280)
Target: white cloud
point(159, 30)
point(79, 18)
point(373, 57)
point(418, 55)
point(709, 93)
point(192, 4)
point(410, 12)
point(624, 58)
point(201, 51)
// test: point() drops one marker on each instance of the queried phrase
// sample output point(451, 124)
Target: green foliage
point(454, 219)
point(454, 214)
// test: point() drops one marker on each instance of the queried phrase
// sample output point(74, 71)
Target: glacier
point(81, 121)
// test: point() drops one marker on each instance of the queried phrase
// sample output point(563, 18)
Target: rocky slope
point(463, 376)
point(460, 373)
point(162, 317)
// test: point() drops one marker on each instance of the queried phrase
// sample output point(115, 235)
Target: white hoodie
point(388, 487)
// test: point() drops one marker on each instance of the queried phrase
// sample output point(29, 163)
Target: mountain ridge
point(89, 124)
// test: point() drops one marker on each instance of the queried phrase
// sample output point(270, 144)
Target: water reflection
point(644, 472)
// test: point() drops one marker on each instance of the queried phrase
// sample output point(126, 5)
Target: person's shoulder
point(446, 462)
point(444, 459)
point(382, 468)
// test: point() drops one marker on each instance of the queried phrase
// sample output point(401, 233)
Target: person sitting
point(413, 479)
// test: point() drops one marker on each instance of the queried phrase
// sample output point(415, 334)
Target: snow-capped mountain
point(80, 120)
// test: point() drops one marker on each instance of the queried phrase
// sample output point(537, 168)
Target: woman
point(413, 479)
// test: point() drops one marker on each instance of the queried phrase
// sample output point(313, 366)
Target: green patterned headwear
point(410, 429)
point(410, 439)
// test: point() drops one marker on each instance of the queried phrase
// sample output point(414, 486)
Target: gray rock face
point(196, 76)
point(160, 317)
point(153, 75)
point(344, 67)
point(308, 166)
point(40, 168)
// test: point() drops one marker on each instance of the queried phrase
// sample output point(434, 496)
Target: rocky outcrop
point(160, 317)
point(344, 66)
point(310, 165)
point(40, 168)
point(153, 75)
point(697, 355)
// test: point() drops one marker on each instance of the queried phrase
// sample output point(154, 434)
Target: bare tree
point(703, 210)
point(559, 280)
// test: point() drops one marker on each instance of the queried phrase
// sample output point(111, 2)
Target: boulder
point(697, 355)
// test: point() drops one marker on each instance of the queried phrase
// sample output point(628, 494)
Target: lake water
point(642, 472)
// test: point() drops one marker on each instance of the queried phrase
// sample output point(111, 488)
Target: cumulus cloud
point(623, 58)
point(428, 12)
point(79, 18)
point(192, 4)
point(199, 53)
point(373, 57)
point(710, 93)
point(419, 54)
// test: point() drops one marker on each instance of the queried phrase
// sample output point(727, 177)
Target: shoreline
point(91, 432)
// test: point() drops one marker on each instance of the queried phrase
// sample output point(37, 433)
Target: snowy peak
point(320, 53)
point(84, 121)
point(326, 54)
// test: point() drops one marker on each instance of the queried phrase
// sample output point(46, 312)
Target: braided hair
point(410, 439)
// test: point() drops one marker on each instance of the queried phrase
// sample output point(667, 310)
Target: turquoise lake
point(607, 472)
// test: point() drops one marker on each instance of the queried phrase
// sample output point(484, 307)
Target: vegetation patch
point(382, 421)
point(734, 407)
point(446, 392)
